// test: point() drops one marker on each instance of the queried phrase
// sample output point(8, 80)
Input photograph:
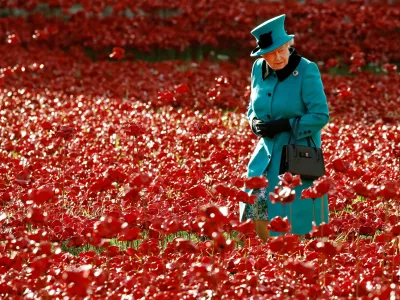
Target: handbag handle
point(294, 132)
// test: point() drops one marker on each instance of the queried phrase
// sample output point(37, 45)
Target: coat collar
point(294, 60)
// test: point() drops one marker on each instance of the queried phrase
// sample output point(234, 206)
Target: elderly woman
point(284, 86)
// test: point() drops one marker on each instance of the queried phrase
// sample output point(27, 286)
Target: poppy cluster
point(123, 178)
point(358, 33)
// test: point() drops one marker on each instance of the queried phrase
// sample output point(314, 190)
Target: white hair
point(290, 42)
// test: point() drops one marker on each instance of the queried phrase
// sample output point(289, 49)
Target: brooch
point(295, 73)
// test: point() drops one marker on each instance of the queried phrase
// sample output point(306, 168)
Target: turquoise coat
point(300, 93)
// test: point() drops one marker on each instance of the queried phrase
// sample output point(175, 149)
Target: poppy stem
point(315, 212)
point(319, 269)
point(126, 89)
point(398, 211)
point(200, 148)
point(283, 214)
point(322, 214)
point(290, 216)
point(385, 239)
point(396, 241)
point(63, 173)
point(357, 253)
point(134, 151)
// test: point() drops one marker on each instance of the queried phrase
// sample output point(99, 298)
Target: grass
point(188, 54)
point(341, 238)
point(198, 53)
point(359, 199)
point(123, 245)
point(343, 70)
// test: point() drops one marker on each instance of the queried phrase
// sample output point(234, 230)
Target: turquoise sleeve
point(250, 112)
point(314, 98)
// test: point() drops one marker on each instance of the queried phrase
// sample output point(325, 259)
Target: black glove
point(270, 128)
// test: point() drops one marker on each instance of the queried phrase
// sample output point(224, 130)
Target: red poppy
point(197, 191)
point(41, 194)
point(324, 185)
point(278, 224)
point(389, 68)
point(288, 180)
point(323, 230)
point(225, 190)
point(182, 89)
point(340, 165)
point(40, 35)
point(130, 234)
point(13, 39)
point(117, 53)
point(389, 190)
point(283, 195)
point(327, 249)
point(256, 182)
point(214, 213)
point(284, 244)
point(66, 132)
point(244, 197)
point(185, 246)
point(361, 189)
point(246, 227)
point(332, 63)
point(300, 267)
point(310, 193)
point(201, 127)
point(133, 129)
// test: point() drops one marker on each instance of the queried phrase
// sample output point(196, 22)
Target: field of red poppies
point(124, 146)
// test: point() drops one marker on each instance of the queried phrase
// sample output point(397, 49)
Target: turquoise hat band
point(279, 42)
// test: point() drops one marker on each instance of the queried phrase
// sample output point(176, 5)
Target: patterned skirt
point(258, 210)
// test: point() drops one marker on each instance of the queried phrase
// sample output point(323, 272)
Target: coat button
point(269, 94)
point(269, 155)
point(269, 116)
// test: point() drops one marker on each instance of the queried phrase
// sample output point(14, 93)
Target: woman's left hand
point(270, 128)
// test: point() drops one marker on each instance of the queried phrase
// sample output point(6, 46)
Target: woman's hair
point(290, 43)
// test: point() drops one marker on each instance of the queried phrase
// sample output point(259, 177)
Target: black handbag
point(306, 161)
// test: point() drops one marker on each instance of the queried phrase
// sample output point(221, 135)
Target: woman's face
point(278, 58)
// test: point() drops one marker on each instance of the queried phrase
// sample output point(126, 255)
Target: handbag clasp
point(305, 154)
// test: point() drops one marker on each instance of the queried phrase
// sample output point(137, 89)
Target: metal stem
point(315, 211)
